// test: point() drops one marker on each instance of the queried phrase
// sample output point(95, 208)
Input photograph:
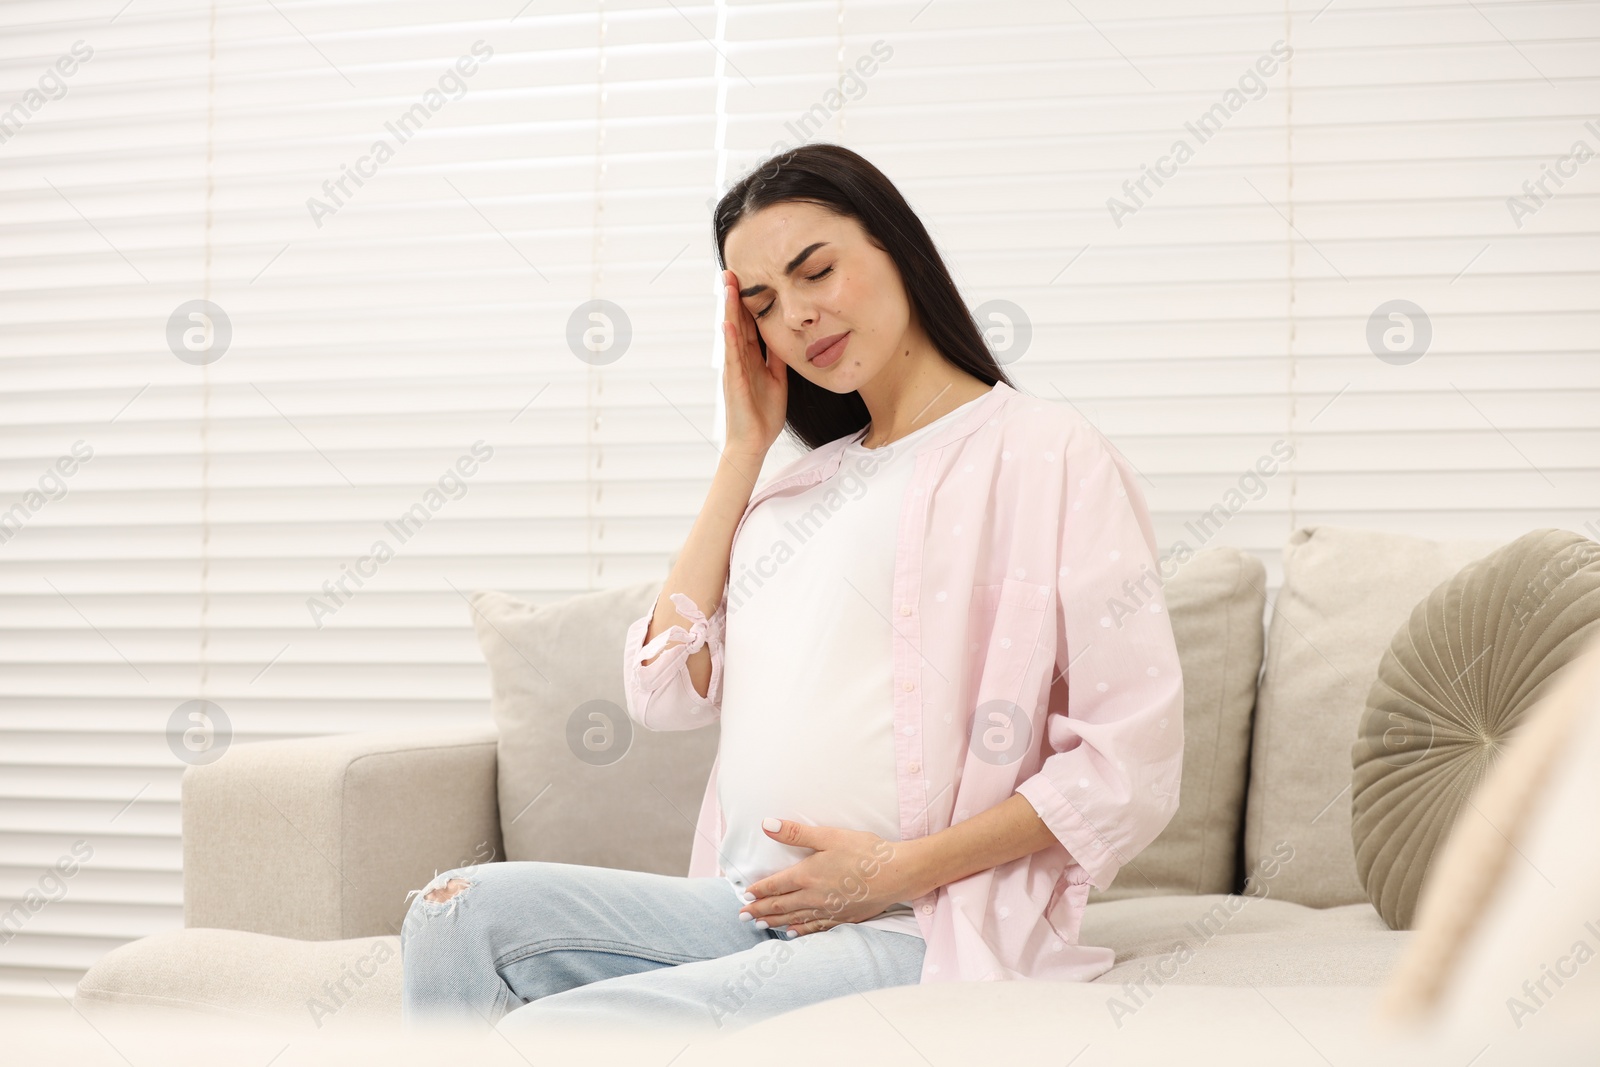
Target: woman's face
point(807, 276)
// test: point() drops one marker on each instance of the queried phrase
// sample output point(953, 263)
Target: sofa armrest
point(321, 838)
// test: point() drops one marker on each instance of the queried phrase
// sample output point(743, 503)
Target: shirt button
point(913, 766)
point(905, 609)
point(927, 909)
point(907, 687)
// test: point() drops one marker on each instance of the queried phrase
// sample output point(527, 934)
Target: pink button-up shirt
point(1032, 654)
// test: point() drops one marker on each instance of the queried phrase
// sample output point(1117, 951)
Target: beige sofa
point(299, 855)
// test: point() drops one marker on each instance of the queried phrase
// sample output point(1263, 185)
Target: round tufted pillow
point(1476, 655)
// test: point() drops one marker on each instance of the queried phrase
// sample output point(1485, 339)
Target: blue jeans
point(533, 943)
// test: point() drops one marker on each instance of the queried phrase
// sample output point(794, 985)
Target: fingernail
point(761, 924)
point(747, 896)
point(770, 823)
point(791, 933)
point(744, 916)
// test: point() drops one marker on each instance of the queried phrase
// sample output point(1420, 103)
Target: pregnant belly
point(816, 799)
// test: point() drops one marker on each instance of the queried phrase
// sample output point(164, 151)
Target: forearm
point(701, 571)
point(1007, 831)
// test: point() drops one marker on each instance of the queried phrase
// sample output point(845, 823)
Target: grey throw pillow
point(579, 781)
point(1215, 601)
point(1344, 593)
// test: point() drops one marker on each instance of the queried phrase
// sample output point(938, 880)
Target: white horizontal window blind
point(297, 299)
point(1202, 211)
point(314, 286)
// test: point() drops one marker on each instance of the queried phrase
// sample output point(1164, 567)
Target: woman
point(948, 692)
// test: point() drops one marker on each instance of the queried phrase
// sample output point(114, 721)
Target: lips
point(815, 348)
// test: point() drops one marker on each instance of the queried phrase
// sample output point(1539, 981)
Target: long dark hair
point(842, 181)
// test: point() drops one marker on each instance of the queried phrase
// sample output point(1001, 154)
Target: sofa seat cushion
point(945, 1023)
point(1058, 1023)
point(306, 984)
point(1228, 940)
point(1233, 939)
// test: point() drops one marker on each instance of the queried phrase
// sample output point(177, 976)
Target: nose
point(798, 314)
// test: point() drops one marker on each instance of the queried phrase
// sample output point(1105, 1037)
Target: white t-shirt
point(807, 710)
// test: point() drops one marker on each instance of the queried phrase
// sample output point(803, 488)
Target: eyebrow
point(790, 269)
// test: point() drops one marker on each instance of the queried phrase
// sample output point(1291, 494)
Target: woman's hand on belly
point(850, 876)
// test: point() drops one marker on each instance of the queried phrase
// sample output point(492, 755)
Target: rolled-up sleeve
point(661, 695)
point(1111, 784)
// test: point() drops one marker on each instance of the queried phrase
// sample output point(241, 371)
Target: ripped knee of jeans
point(447, 891)
point(441, 898)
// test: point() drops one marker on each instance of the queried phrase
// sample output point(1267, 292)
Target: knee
point(446, 891)
point(441, 895)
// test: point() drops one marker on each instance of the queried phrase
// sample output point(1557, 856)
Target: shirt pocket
point(1004, 626)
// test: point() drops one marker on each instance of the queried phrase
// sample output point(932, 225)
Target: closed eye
point(823, 273)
